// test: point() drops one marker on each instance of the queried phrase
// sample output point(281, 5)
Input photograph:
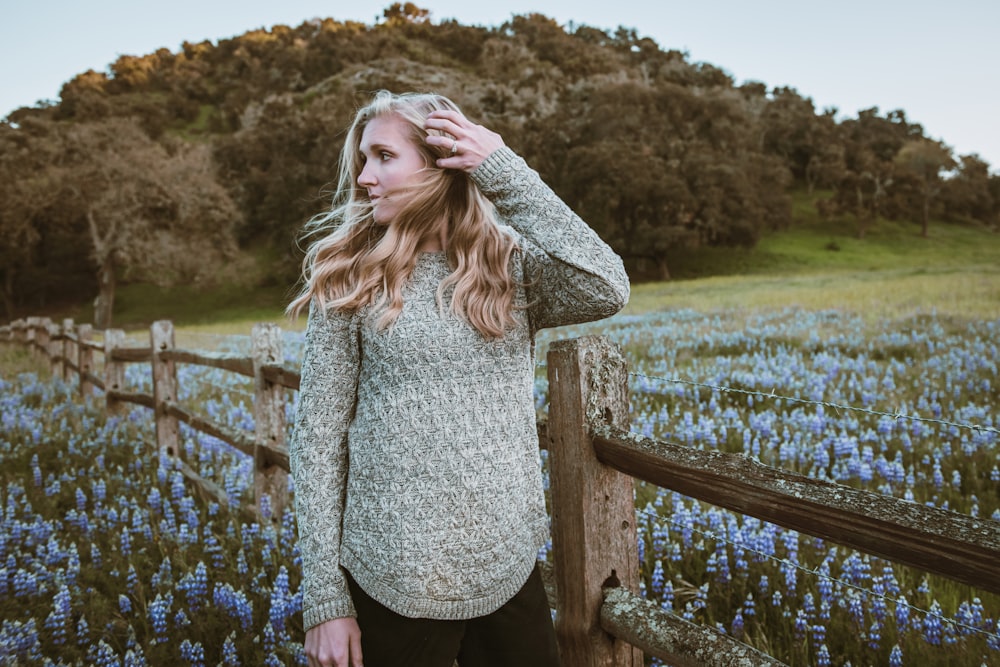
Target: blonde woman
point(418, 490)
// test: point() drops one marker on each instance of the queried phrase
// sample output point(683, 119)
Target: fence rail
point(594, 460)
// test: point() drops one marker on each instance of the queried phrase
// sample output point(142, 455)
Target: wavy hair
point(355, 262)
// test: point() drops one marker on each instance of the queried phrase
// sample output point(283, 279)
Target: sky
point(938, 61)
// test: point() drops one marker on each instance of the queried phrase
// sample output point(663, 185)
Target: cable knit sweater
point(415, 455)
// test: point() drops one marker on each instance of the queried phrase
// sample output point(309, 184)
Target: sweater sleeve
point(318, 459)
point(573, 276)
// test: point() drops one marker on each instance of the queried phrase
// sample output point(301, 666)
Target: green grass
point(814, 264)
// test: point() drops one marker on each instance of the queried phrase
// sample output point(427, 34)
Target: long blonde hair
point(356, 262)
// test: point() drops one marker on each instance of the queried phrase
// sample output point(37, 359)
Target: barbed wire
point(836, 406)
point(785, 561)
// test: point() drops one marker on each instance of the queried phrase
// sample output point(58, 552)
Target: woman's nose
point(366, 178)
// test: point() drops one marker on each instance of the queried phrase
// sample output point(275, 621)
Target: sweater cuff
point(494, 164)
point(327, 611)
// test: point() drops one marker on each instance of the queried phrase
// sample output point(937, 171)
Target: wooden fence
point(594, 460)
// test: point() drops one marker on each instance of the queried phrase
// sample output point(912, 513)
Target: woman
point(415, 457)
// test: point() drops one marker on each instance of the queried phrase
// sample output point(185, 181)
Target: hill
point(199, 167)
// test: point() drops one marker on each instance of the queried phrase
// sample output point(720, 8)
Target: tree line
point(176, 166)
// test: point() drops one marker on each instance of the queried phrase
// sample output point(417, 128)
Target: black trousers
point(519, 634)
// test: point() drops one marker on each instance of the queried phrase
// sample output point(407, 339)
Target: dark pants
point(519, 634)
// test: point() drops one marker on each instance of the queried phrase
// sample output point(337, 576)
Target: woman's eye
point(384, 156)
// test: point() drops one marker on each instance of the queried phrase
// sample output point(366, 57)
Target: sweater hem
point(444, 610)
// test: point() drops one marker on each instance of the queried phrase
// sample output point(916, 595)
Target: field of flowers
point(108, 559)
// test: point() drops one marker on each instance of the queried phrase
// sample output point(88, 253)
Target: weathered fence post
point(85, 358)
point(67, 348)
point(19, 331)
point(30, 330)
point(593, 507)
point(53, 347)
point(161, 338)
point(269, 418)
point(114, 371)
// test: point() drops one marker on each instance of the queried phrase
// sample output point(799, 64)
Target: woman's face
point(391, 162)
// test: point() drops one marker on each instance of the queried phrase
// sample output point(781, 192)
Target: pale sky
point(938, 61)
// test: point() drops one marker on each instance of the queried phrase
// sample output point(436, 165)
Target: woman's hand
point(335, 643)
point(466, 143)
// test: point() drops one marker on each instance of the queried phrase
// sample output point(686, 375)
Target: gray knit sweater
point(415, 455)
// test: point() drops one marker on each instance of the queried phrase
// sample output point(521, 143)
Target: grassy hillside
point(815, 264)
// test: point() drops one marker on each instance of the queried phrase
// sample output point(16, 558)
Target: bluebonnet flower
point(666, 600)
point(104, 656)
point(230, 658)
point(36, 471)
point(736, 627)
point(163, 578)
point(126, 543)
point(25, 583)
point(193, 653)
point(902, 615)
point(158, 611)
point(213, 549)
point(82, 632)
point(932, 625)
point(801, 624)
point(134, 657)
point(823, 656)
point(100, 490)
point(235, 603)
point(976, 613)
point(661, 538)
point(269, 638)
point(181, 619)
point(58, 619)
point(656, 579)
point(896, 657)
point(279, 601)
point(875, 635)
point(818, 634)
point(154, 499)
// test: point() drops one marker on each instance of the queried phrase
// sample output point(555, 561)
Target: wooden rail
point(593, 584)
point(953, 545)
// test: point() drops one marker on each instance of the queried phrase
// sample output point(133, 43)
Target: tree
point(967, 195)
point(148, 212)
point(925, 160)
point(408, 12)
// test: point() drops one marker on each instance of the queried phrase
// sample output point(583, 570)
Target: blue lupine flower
point(823, 656)
point(104, 656)
point(656, 580)
point(193, 653)
point(875, 635)
point(736, 628)
point(932, 625)
point(58, 619)
point(896, 657)
point(181, 619)
point(158, 611)
point(82, 632)
point(36, 472)
point(229, 656)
